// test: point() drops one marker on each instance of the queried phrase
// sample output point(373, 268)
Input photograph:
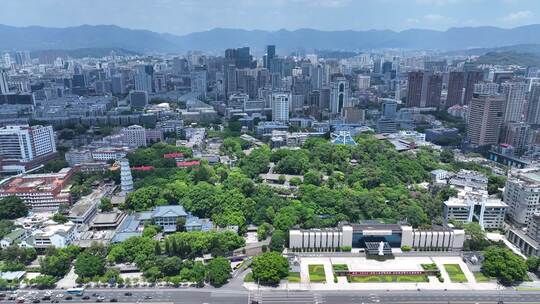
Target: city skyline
point(188, 16)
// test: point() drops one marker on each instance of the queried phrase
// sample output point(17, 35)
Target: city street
point(227, 296)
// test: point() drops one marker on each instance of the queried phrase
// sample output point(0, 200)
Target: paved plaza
point(397, 264)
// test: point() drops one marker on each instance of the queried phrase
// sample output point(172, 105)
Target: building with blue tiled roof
point(164, 216)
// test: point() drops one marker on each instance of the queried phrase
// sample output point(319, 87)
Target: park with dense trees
point(381, 184)
point(331, 183)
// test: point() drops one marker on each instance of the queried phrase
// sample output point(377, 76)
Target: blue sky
point(185, 16)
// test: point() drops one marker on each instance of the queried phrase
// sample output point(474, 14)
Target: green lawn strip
point(248, 278)
point(316, 273)
point(432, 266)
point(340, 267)
point(527, 288)
point(390, 279)
point(481, 278)
point(294, 277)
point(455, 273)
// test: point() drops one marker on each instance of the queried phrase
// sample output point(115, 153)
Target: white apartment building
point(522, 194)
point(478, 207)
point(339, 95)
point(24, 143)
point(135, 135)
point(280, 103)
point(105, 154)
point(486, 88)
point(58, 236)
point(467, 179)
point(364, 82)
point(515, 93)
point(4, 87)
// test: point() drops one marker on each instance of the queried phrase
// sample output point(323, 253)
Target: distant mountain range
point(510, 58)
point(109, 36)
point(82, 52)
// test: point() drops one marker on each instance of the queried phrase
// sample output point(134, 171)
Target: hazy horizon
point(187, 16)
point(271, 30)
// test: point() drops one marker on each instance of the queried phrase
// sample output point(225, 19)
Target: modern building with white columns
point(365, 235)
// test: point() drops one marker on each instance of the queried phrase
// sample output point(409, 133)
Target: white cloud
point(517, 16)
point(434, 17)
point(412, 21)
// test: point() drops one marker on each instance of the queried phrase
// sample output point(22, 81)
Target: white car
point(60, 295)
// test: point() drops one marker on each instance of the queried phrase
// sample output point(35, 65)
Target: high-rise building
point(414, 90)
point(160, 82)
point(433, 91)
point(386, 67)
point(118, 85)
point(533, 111)
point(515, 93)
point(138, 99)
point(22, 58)
point(143, 78)
point(280, 103)
point(471, 78)
point(499, 77)
point(424, 89)
point(317, 77)
point(126, 180)
point(134, 136)
point(486, 88)
point(339, 94)
point(4, 87)
point(240, 57)
point(231, 83)
point(25, 143)
point(364, 82)
point(199, 83)
point(180, 66)
point(522, 194)
point(456, 81)
point(485, 119)
point(435, 65)
point(516, 134)
point(377, 65)
point(269, 57)
point(389, 109)
point(7, 60)
point(527, 241)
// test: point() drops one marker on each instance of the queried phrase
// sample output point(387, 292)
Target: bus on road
point(75, 291)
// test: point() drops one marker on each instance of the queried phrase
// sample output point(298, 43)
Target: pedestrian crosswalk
point(272, 297)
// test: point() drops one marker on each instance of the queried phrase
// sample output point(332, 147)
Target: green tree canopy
point(269, 268)
point(88, 265)
point(105, 204)
point(502, 263)
point(218, 271)
point(12, 208)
